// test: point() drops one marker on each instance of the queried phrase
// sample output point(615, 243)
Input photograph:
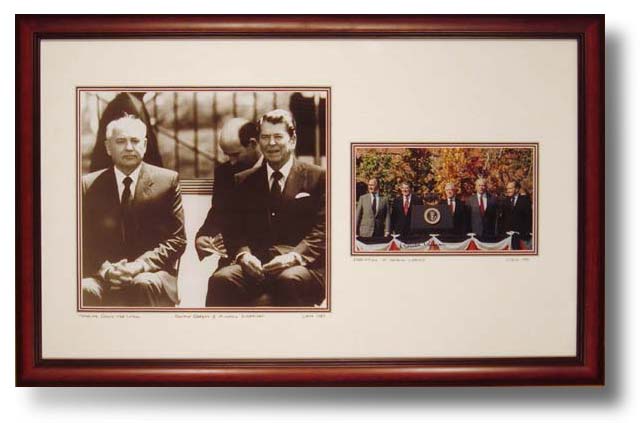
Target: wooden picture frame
point(585, 368)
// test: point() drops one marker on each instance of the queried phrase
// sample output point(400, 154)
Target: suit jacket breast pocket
point(304, 204)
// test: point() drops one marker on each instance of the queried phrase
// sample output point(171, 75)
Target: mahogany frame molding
point(587, 368)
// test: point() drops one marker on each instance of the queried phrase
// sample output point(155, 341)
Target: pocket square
point(302, 195)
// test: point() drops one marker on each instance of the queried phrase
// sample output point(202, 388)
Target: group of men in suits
point(266, 222)
point(486, 215)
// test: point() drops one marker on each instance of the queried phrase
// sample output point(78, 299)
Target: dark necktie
point(126, 193)
point(373, 204)
point(513, 201)
point(275, 195)
point(125, 208)
point(481, 204)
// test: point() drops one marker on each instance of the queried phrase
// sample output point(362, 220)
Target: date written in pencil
point(314, 316)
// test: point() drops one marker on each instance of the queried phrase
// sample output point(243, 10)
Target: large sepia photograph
point(432, 198)
point(203, 199)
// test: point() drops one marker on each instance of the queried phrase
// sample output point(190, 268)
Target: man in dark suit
point(483, 209)
point(278, 236)
point(373, 217)
point(401, 209)
point(516, 215)
point(458, 210)
point(132, 225)
point(239, 142)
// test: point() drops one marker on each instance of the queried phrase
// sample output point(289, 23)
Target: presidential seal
point(432, 215)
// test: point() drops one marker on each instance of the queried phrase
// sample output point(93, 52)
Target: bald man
point(239, 142)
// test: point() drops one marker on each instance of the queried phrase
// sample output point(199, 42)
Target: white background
point(617, 402)
point(506, 90)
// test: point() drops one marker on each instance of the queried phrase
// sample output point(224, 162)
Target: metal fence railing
point(186, 123)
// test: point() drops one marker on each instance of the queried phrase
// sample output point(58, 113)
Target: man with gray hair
point(373, 217)
point(132, 226)
point(517, 216)
point(483, 209)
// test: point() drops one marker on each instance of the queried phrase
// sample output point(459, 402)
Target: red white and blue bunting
point(434, 244)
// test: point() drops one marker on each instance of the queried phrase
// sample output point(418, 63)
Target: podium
point(431, 218)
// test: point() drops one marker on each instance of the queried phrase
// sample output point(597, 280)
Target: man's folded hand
point(212, 245)
point(251, 265)
point(121, 274)
point(118, 276)
point(280, 263)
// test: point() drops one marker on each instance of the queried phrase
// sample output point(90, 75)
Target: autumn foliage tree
point(458, 165)
point(393, 166)
point(430, 169)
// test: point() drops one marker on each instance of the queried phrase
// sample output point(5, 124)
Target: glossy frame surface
point(587, 368)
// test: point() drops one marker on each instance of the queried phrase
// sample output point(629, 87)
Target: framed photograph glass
point(310, 200)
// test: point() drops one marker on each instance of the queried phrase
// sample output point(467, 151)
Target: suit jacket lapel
point(259, 194)
point(112, 197)
point(367, 201)
point(261, 187)
point(111, 187)
point(143, 187)
point(375, 212)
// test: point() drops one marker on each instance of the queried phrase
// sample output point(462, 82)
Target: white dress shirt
point(452, 201)
point(483, 198)
point(120, 181)
point(376, 196)
point(285, 170)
